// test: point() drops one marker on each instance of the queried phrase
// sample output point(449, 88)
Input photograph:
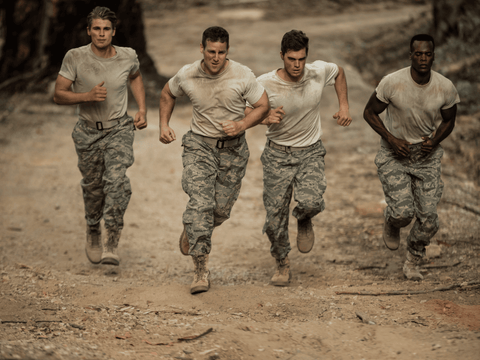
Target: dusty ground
point(54, 304)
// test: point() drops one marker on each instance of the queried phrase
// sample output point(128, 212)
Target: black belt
point(287, 148)
point(219, 143)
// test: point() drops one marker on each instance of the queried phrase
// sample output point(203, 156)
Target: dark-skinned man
point(421, 110)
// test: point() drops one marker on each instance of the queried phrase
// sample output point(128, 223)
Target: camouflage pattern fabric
point(103, 159)
point(300, 172)
point(413, 187)
point(212, 179)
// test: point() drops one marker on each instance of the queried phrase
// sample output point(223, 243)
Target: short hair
point(294, 40)
point(215, 34)
point(421, 37)
point(103, 13)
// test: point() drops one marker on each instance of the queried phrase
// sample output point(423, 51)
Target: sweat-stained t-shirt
point(301, 124)
point(87, 70)
point(216, 98)
point(413, 110)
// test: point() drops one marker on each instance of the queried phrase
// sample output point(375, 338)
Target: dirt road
point(56, 305)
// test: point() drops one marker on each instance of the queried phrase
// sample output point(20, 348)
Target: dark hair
point(103, 13)
point(421, 37)
point(215, 34)
point(294, 40)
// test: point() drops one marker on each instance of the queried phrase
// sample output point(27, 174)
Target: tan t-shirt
point(414, 110)
point(216, 98)
point(301, 124)
point(87, 70)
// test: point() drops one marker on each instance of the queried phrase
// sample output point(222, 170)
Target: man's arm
point(167, 103)
point(375, 107)
point(254, 117)
point(445, 129)
point(138, 90)
point(343, 114)
point(274, 116)
point(65, 96)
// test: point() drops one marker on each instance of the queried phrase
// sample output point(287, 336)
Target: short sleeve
point(136, 64)
point(382, 90)
point(175, 85)
point(331, 72)
point(451, 97)
point(253, 90)
point(68, 69)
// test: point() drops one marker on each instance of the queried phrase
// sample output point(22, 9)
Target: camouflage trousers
point(413, 187)
point(103, 159)
point(212, 179)
point(299, 172)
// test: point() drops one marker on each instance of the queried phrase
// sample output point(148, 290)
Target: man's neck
point(105, 53)
point(420, 78)
point(285, 76)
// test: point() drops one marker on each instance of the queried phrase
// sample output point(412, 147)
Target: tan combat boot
point(93, 247)
point(305, 235)
point(109, 255)
point(184, 244)
point(391, 236)
point(282, 275)
point(201, 282)
point(411, 268)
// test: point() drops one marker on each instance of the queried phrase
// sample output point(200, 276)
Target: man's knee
point(400, 218)
point(431, 224)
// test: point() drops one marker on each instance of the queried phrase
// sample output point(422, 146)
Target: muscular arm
point(375, 107)
point(167, 104)
point(445, 129)
point(252, 118)
point(138, 90)
point(65, 96)
point(343, 114)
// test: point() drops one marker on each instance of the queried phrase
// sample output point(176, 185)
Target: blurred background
point(36, 34)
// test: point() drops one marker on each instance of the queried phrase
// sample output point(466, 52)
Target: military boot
point(282, 274)
point(411, 268)
point(391, 236)
point(305, 235)
point(201, 282)
point(109, 255)
point(184, 244)
point(93, 247)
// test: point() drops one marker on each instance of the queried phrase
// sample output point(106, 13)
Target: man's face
point(101, 33)
point(422, 56)
point(294, 63)
point(214, 57)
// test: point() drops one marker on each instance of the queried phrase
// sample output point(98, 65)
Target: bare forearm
point(167, 104)
point(443, 131)
point(138, 91)
point(341, 89)
point(67, 97)
point(254, 116)
point(377, 124)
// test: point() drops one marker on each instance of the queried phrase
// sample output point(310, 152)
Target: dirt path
point(55, 305)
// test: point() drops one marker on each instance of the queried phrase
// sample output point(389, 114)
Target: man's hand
point(343, 117)
point(232, 128)
point(427, 145)
point(400, 146)
point(98, 93)
point(140, 120)
point(167, 135)
point(274, 116)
